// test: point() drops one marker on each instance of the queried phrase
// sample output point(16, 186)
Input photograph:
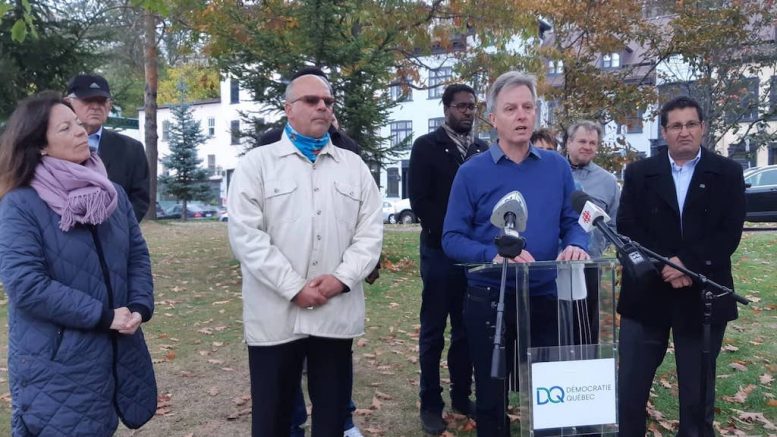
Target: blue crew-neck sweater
point(545, 181)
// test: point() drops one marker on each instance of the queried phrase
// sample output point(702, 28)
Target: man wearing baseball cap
point(124, 157)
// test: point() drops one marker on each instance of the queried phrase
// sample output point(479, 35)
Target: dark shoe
point(466, 408)
point(432, 422)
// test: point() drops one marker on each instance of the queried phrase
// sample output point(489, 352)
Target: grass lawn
point(195, 339)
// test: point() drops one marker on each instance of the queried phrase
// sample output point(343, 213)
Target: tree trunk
point(185, 210)
point(150, 57)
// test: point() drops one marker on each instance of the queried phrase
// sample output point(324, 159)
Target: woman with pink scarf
point(77, 273)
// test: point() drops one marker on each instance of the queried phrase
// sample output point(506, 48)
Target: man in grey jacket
point(583, 140)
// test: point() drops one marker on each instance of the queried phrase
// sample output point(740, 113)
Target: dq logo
point(586, 216)
point(554, 395)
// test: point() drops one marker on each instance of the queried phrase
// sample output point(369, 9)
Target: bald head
point(309, 105)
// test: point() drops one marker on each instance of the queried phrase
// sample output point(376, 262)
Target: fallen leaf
point(741, 396)
point(213, 391)
point(382, 396)
point(170, 355)
point(766, 379)
point(738, 366)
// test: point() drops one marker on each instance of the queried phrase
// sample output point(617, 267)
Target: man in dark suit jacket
point(124, 158)
point(688, 204)
point(434, 160)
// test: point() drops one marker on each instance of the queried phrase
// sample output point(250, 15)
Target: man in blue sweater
point(545, 181)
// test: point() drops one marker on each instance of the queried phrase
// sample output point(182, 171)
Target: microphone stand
point(707, 296)
point(509, 245)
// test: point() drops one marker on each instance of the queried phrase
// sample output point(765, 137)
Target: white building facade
point(221, 122)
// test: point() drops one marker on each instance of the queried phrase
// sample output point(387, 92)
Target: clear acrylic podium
point(569, 389)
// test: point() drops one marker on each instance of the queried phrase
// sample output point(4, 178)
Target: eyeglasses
point(313, 100)
point(676, 128)
point(463, 106)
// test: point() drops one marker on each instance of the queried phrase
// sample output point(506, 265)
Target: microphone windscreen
point(579, 198)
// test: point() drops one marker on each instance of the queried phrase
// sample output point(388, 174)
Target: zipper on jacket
point(114, 344)
point(103, 264)
point(57, 342)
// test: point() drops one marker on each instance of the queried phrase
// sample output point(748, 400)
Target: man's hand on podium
point(573, 253)
point(523, 257)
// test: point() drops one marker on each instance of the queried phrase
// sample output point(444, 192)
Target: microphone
point(592, 216)
point(509, 215)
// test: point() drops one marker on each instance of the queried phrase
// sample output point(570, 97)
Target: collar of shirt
point(497, 153)
point(689, 165)
point(94, 139)
point(682, 175)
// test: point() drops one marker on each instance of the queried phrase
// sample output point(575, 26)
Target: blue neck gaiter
point(307, 145)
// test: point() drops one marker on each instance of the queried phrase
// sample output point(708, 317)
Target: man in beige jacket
point(306, 225)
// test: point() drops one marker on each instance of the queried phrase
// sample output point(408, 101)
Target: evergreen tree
point(184, 177)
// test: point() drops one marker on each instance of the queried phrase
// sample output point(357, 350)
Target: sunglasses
point(313, 100)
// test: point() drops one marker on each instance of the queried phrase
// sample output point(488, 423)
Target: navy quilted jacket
point(60, 362)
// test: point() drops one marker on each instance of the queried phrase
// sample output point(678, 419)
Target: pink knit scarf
point(79, 193)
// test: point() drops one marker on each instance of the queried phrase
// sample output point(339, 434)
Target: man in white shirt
point(306, 225)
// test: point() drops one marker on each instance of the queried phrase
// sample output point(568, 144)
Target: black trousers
point(276, 372)
point(479, 317)
point(442, 297)
point(641, 348)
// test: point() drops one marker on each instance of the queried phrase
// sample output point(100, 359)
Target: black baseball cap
point(85, 86)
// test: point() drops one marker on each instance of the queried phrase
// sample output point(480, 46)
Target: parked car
point(207, 211)
point(388, 211)
point(223, 216)
point(192, 211)
point(761, 194)
point(403, 213)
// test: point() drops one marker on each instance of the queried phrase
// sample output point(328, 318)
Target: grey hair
point(290, 85)
point(511, 79)
point(588, 125)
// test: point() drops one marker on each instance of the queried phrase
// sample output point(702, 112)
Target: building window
point(747, 108)
point(392, 182)
point(551, 110)
point(434, 123)
point(437, 78)
point(773, 97)
point(234, 91)
point(211, 127)
point(212, 164)
point(166, 130)
point(556, 67)
point(634, 123)
point(611, 60)
point(234, 131)
point(400, 131)
point(398, 94)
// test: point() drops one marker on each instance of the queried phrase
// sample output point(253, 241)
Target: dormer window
point(611, 60)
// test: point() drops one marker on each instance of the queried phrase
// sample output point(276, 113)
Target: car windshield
point(762, 178)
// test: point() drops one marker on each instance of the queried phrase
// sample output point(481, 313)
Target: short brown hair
point(545, 134)
point(23, 139)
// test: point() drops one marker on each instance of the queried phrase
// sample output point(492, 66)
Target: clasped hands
point(318, 291)
point(675, 277)
point(126, 322)
point(570, 253)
